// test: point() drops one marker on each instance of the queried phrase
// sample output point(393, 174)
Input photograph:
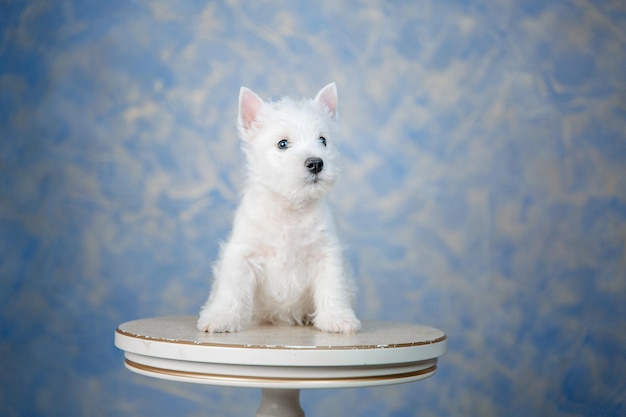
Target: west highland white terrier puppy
point(283, 262)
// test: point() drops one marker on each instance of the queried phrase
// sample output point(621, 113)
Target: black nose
point(314, 165)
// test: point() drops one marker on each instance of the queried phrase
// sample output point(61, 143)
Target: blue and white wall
point(484, 191)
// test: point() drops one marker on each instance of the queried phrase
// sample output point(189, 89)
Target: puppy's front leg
point(229, 306)
point(333, 293)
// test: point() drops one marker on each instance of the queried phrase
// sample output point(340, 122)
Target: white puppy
point(283, 261)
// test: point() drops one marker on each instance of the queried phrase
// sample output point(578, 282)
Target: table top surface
point(373, 335)
point(377, 343)
point(281, 356)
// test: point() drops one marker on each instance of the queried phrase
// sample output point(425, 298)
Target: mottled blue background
point(484, 191)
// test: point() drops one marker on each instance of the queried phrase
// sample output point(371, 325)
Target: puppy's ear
point(249, 108)
point(327, 96)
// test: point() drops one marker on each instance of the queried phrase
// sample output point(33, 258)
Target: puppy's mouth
point(314, 179)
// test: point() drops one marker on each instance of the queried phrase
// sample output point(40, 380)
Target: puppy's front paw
point(337, 322)
point(218, 323)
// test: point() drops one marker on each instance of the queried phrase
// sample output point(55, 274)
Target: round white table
point(281, 359)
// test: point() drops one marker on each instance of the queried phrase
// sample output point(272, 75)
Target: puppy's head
point(291, 145)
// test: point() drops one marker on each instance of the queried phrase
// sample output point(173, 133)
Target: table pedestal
point(281, 360)
point(280, 403)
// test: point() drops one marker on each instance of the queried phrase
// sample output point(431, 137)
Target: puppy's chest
point(285, 242)
point(287, 264)
point(291, 248)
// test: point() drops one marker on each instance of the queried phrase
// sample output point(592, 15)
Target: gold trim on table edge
point(247, 346)
point(257, 379)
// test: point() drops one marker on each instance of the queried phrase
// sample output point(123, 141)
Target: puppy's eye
point(283, 144)
point(323, 140)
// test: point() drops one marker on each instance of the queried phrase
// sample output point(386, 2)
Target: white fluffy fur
point(283, 261)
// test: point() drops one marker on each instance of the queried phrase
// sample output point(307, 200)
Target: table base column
point(280, 403)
